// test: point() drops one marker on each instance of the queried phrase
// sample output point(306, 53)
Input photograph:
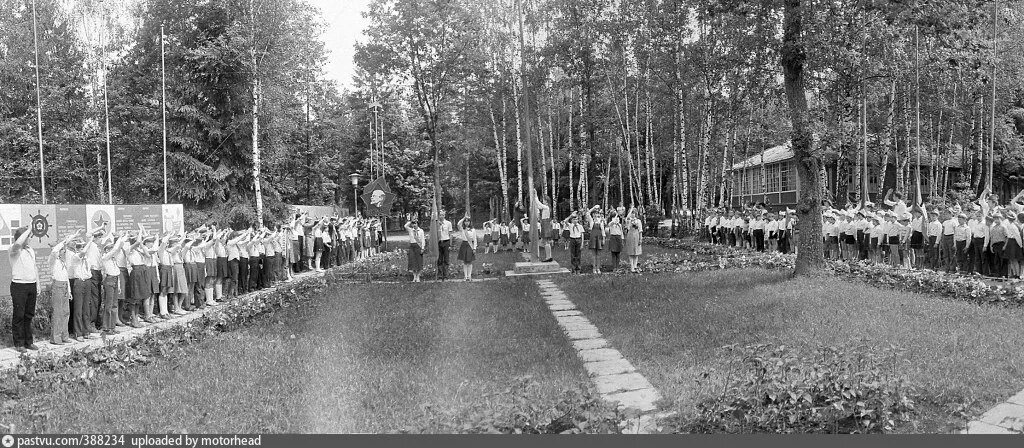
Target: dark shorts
point(916, 240)
point(222, 268)
point(211, 267)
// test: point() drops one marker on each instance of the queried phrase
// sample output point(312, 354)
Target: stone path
point(614, 376)
point(11, 358)
point(1005, 418)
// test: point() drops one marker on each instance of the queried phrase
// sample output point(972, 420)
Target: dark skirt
point(167, 278)
point(154, 279)
point(1012, 250)
point(832, 239)
point(916, 240)
point(894, 239)
point(222, 268)
point(415, 257)
point(849, 239)
point(615, 243)
point(596, 242)
point(139, 284)
point(526, 237)
point(466, 254)
point(318, 244)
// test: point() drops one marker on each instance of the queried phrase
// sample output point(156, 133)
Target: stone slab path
point(614, 377)
point(11, 358)
point(1005, 418)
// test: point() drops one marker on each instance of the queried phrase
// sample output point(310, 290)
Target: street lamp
point(355, 191)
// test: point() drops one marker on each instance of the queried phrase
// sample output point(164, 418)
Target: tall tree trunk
point(519, 145)
point(810, 256)
point(684, 169)
point(502, 177)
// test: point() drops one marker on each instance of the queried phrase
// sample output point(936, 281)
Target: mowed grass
point(362, 358)
point(672, 326)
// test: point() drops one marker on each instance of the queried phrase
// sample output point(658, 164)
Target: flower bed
point(714, 257)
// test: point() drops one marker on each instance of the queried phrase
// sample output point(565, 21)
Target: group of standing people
point(620, 233)
point(102, 280)
point(981, 237)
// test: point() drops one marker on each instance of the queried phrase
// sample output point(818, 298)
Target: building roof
point(785, 152)
point(771, 155)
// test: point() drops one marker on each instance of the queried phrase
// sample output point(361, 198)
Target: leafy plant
point(774, 389)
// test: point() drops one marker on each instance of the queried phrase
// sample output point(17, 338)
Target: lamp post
point(355, 191)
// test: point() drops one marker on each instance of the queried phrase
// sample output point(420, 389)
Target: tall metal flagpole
point(39, 106)
point(534, 247)
point(163, 104)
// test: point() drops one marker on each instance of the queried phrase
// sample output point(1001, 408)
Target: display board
point(317, 211)
point(49, 224)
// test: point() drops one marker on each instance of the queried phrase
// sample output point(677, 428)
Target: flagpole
point(163, 104)
point(39, 106)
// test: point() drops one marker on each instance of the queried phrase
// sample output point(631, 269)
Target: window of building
point(785, 179)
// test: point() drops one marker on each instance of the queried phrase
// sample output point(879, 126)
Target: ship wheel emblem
point(40, 225)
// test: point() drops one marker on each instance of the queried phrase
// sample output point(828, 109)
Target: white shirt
point(23, 266)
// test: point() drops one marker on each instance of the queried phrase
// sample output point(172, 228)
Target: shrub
point(524, 410)
point(775, 390)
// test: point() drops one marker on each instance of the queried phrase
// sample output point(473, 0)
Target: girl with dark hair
point(467, 250)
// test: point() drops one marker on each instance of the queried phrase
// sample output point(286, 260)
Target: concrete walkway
point(614, 377)
point(11, 358)
point(1005, 418)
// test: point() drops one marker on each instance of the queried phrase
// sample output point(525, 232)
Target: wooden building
point(771, 177)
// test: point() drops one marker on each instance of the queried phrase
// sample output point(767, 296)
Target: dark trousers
point(95, 300)
point(932, 250)
point(442, 258)
point(108, 309)
point(301, 265)
point(575, 245)
point(339, 257)
point(23, 296)
point(254, 272)
point(122, 298)
point(266, 271)
point(759, 239)
point(948, 253)
point(979, 259)
point(79, 298)
point(243, 275)
point(961, 257)
point(198, 294)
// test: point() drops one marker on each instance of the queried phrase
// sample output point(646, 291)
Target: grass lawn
point(362, 358)
point(671, 327)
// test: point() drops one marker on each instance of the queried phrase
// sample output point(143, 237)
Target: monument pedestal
point(536, 268)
